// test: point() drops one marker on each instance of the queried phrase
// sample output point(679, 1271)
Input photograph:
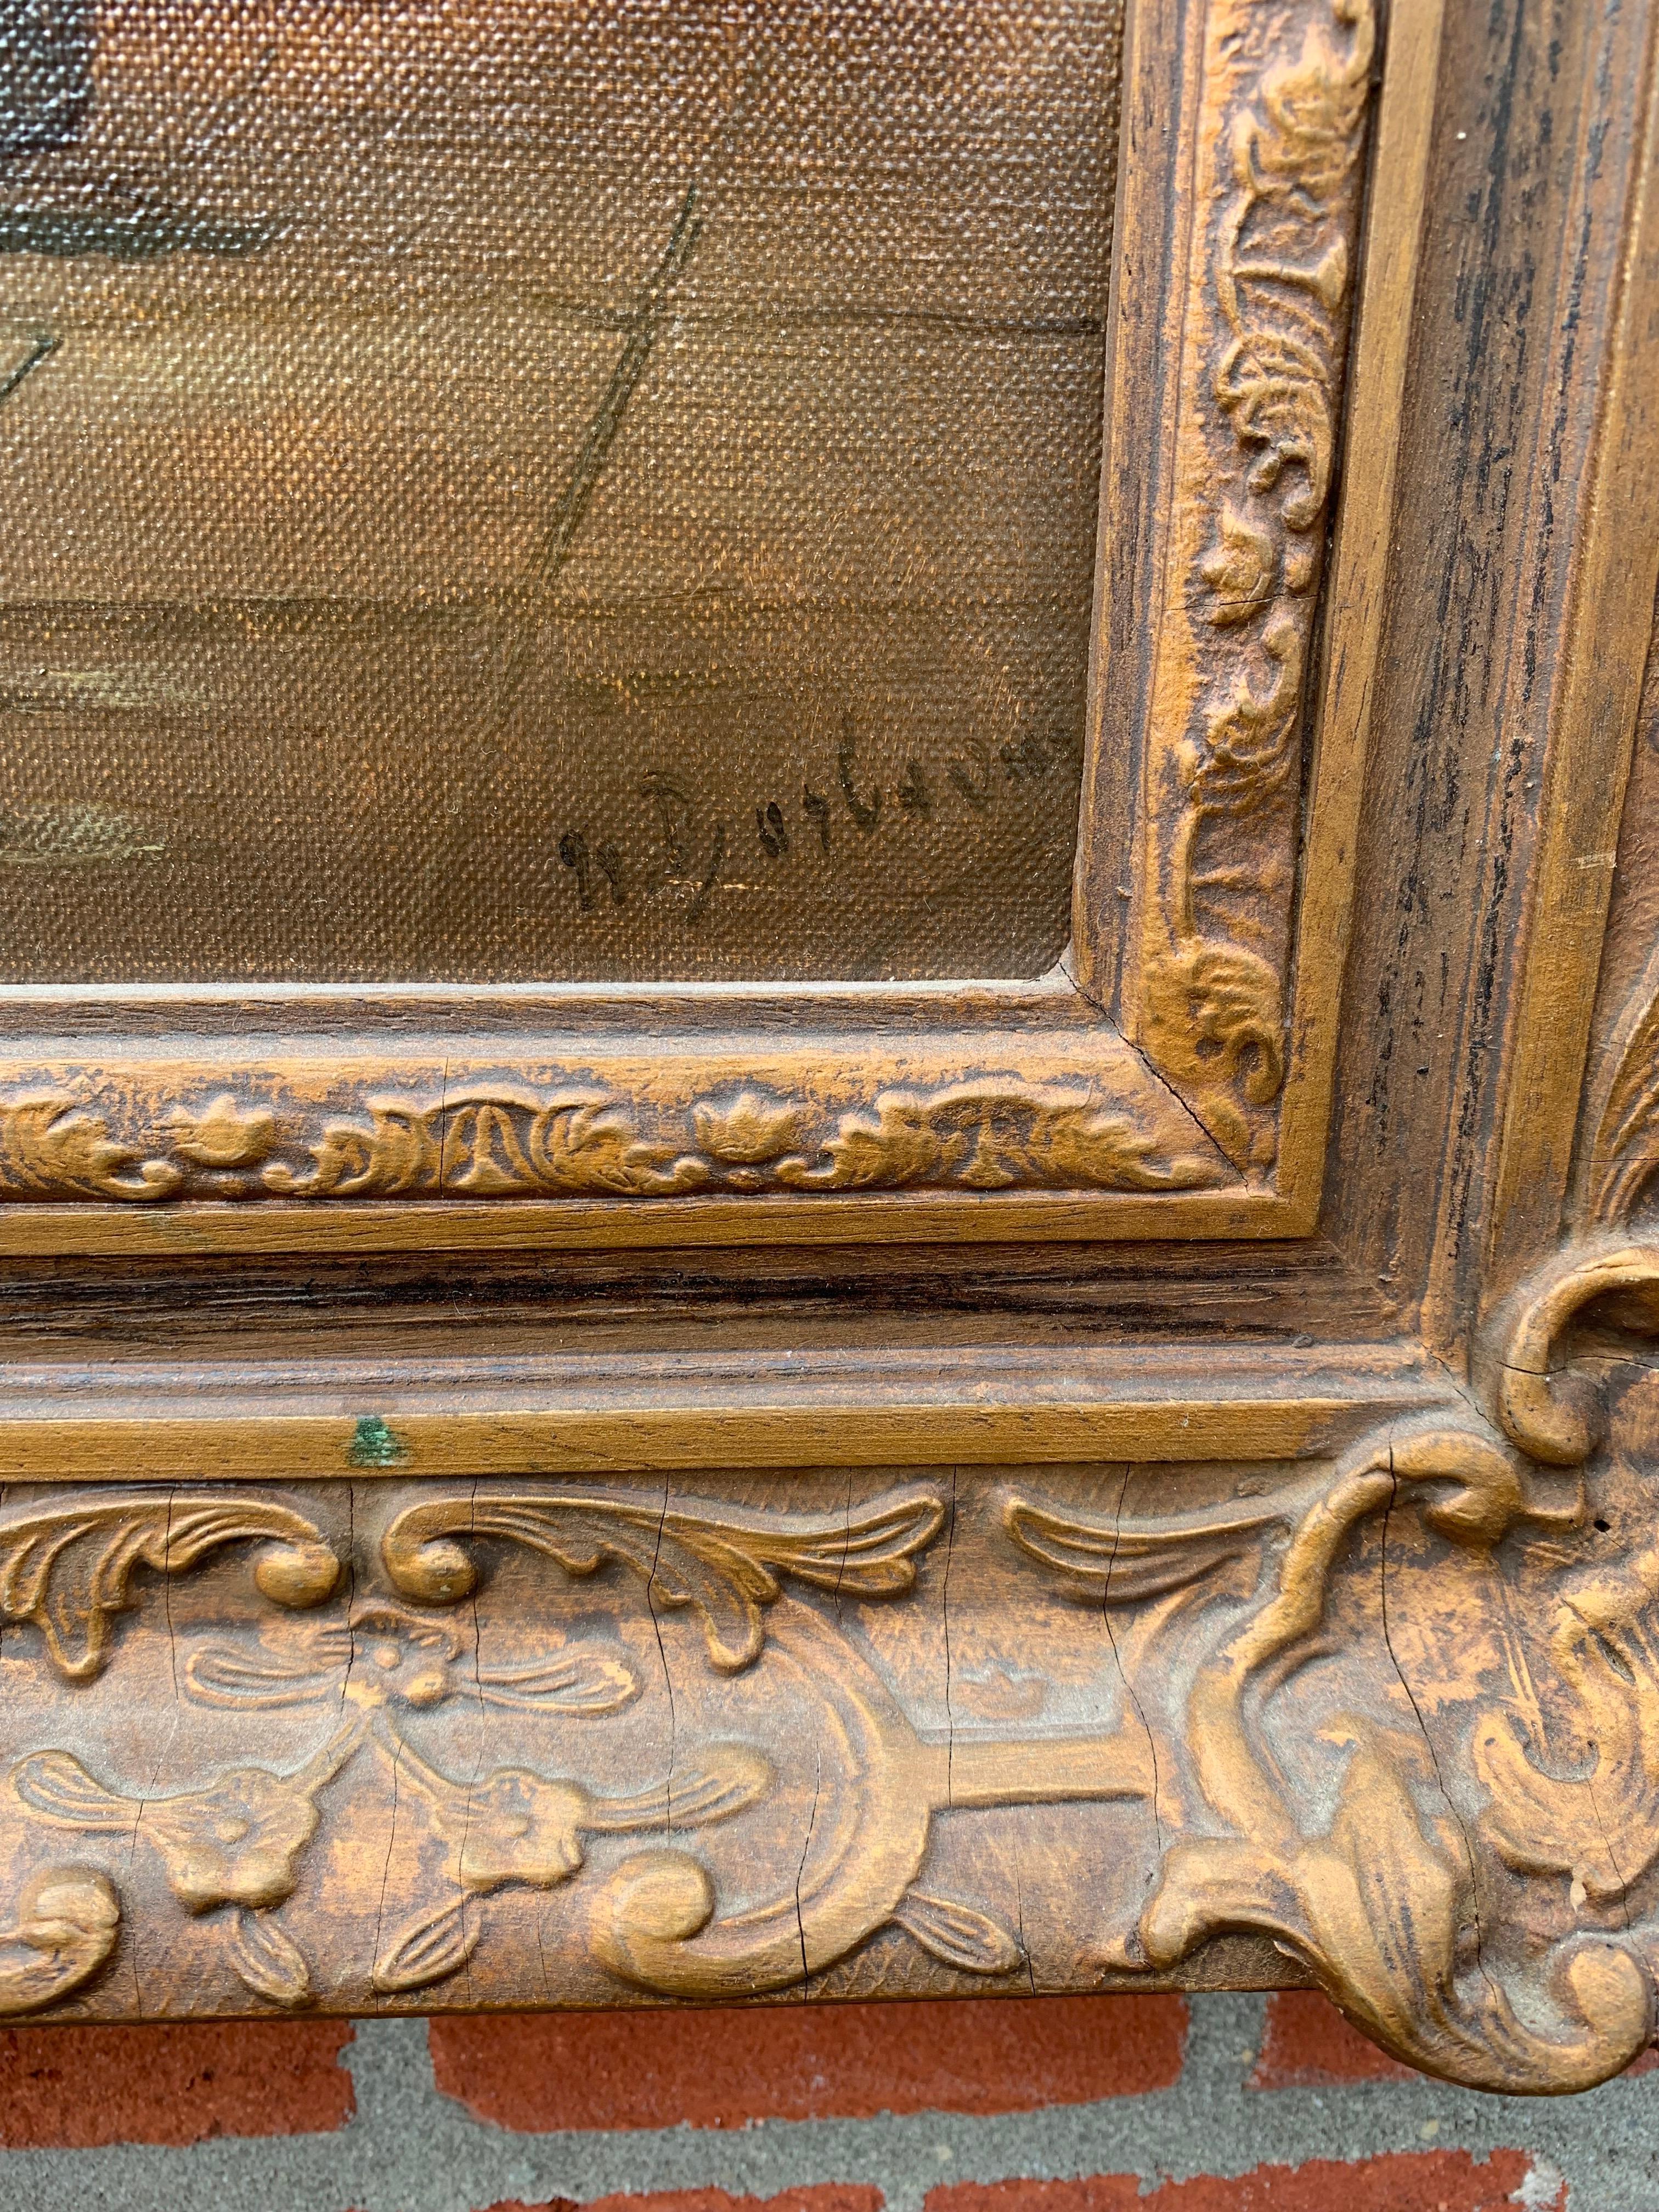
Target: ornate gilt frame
point(1171, 1078)
point(976, 1608)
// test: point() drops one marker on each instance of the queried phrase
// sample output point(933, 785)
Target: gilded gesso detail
point(1280, 138)
point(1430, 1687)
point(599, 1743)
point(373, 1681)
point(567, 1742)
point(979, 1134)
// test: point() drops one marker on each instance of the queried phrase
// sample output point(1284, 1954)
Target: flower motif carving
point(994, 1133)
point(234, 1849)
point(235, 1844)
point(1271, 304)
point(223, 1136)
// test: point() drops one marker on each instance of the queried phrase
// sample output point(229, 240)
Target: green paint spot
point(376, 1443)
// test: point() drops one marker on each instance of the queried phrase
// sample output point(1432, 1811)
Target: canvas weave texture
point(504, 490)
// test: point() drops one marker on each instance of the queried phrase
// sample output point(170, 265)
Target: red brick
point(721, 2068)
point(1309, 2044)
point(1409, 2181)
point(825, 2197)
point(74, 2088)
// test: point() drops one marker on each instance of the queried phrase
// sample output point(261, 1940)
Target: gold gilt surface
point(1141, 1476)
point(510, 1744)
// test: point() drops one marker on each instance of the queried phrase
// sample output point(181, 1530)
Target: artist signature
point(680, 860)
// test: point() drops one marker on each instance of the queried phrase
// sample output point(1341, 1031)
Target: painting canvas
point(566, 490)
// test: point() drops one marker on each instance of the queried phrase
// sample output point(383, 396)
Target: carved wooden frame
point(1172, 1078)
point(1296, 1604)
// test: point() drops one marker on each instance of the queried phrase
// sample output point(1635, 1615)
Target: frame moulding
point(186, 1119)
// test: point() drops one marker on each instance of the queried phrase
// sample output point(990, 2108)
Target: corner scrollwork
point(1546, 1403)
point(1450, 1809)
point(1371, 1877)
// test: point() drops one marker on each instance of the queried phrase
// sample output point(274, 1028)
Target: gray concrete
point(410, 2149)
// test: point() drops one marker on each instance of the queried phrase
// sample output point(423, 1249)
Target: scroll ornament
point(233, 1850)
point(1470, 1866)
point(1371, 1860)
point(68, 1567)
point(1398, 1711)
point(67, 1923)
point(656, 1923)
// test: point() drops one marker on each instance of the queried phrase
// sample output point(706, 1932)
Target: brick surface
point(1410, 2181)
point(1308, 2044)
point(826, 2197)
point(75, 2088)
point(720, 2068)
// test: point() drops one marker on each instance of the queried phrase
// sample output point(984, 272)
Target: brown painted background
point(369, 609)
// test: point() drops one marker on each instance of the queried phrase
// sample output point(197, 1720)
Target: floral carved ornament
point(1398, 1711)
point(234, 1849)
point(1269, 293)
point(1268, 333)
point(984, 1134)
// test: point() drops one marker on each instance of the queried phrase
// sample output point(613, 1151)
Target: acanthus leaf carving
point(232, 1847)
point(726, 1563)
point(1270, 302)
point(58, 1148)
point(959, 1934)
point(1379, 1895)
point(1598, 1825)
point(1131, 1562)
point(978, 1134)
point(68, 1566)
point(267, 1959)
